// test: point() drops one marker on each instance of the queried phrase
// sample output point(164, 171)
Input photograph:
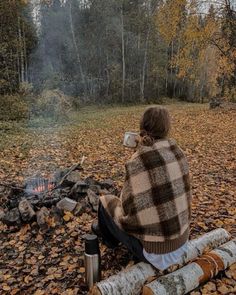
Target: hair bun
point(147, 140)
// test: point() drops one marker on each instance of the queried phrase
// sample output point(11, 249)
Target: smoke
point(53, 63)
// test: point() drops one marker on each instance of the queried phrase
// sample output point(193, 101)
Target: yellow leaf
point(6, 288)
point(68, 216)
point(39, 292)
point(12, 242)
point(202, 224)
point(82, 269)
point(219, 223)
point(27, 279)
point(15, 291)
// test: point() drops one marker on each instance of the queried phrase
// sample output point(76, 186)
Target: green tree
point(17, 41)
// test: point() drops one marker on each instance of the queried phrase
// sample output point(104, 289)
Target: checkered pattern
point(155, 205)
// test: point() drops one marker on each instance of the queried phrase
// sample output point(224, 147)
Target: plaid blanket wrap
point(155, 203)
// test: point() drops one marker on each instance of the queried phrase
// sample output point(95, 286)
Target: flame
point(43, 187)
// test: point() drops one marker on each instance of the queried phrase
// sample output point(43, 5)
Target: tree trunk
point(176, 70)
point(132, 279)
point(144, 65)
point(166, 72)
point(129, 281)
point(123, 55)
point(77, 50)
point(22, 67)
point(18, 62)
point(171, 68)
point(189, 277)
point(25, 54)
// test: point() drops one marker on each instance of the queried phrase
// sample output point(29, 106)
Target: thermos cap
point(91, 244)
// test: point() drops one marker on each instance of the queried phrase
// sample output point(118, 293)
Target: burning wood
point(39, 185)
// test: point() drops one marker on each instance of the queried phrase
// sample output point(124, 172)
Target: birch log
point(131, 280)
point(189, 277)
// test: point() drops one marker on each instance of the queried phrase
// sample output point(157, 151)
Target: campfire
point(39, 185)
point(65, 190)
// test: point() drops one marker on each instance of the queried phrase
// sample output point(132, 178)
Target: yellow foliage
point(194, 58)
point(169, 18)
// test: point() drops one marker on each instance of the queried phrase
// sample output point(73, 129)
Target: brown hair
point(154, 124)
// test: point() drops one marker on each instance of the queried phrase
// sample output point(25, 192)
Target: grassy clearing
point(97, 132)
point(207, 138)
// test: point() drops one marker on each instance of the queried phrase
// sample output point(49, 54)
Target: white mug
point(130, 139)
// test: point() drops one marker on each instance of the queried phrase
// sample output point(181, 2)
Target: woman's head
point(154, 124)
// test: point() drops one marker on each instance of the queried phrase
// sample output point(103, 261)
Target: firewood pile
point(205, 258)
point(40, 197)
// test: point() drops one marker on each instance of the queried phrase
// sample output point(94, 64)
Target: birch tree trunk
point(25, 54)
point(176, 69)
point(171, 68)
point(166, 72)
point(77, 50)
point(22, 67)
point(123, 54)
point(192, 275)
point(18, 62)
point(142, 86)
point(144, 65)
point(131, 280)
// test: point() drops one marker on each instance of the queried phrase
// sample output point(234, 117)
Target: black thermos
point(92, 260)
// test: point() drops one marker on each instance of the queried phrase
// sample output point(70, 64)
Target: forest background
point(57, 55)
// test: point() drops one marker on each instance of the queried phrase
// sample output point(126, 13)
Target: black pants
point(112, 235)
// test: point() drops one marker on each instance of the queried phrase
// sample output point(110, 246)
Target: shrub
point(13, 107)
point(53, 104)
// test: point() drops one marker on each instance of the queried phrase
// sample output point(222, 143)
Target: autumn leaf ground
point(33, 262)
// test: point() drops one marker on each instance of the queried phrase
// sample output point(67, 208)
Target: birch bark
point(22, 68)
point(131, 280)
point(192, 275)
point(123, 54)
point(144, 66)
point(77, 50)
point(25, 54)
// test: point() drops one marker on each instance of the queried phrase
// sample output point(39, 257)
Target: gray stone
point(107, 183)
point(42, 216)
point(67, 204)
point(73, 177)
point(93, 199)
point(57, 214)
point(26, 210)
point(91, 181)
point(59, 174)
point(12, 217)
point(80, 188)
point(2, 214)
point(80, 207)
point(95, 188)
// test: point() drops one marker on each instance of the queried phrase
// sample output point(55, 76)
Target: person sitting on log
point(152, 215)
